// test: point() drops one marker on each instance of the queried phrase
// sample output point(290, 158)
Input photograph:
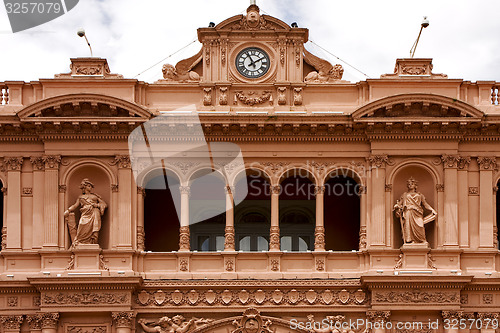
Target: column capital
point(452, 314)
point(13, 163)
point(12, 322)
point(378, 161)
point(378, 316)
point(319, 190)
point(488, 315)
point(276, 189)
point(51, 161)
point(487, 163)
point(34, 321)
point(123, 161)
point(123, 319)
point(463, 162)
point(38, 163)
point(185, 189)
point(50, 319)
point(449, 161)
point(229, 189)
point(141, 191)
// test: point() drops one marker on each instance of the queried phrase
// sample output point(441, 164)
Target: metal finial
point(253, 2)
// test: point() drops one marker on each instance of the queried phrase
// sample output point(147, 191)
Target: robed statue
point(410, 210)
point(91, 209)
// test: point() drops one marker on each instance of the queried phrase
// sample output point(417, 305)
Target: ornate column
point(449, 318)
point(34, 322)
point(319, 231)
point(486, 319)
point(49, 322)
point(184, 237)
point(463, 201)
point(229, 231)
point(38, 191)
point(123, 321)
point(124, 201)
point(486, 223)
point(12, 323)
point(378, 227)
point(274, 232)
point(51, 201)
point(13, 222)
point(141, 194)
point(363, 211)
point(378, 320)
point(450, 200)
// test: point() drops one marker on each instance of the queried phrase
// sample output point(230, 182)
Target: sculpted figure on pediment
point(176, 324)
point(182, 72)
point(92, 207)
point(325, 72)
point(410, 210)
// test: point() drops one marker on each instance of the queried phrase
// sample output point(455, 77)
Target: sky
point(463, 37)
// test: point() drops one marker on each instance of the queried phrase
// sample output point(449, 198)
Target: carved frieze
point(416, 296)
point(87, 329)
point(83, 298)
point(253, 97)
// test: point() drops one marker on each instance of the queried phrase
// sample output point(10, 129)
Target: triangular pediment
point(417, 106)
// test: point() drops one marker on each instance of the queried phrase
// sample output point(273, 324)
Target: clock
point(252, 62)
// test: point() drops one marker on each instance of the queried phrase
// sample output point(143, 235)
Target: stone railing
point(495, 95)
point(4, 95)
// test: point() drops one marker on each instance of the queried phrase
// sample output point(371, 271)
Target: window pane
point(262, 244)
point(203, 243)
point(303, 243)
point(219, 243)
point(286, 243)
point(245, 243)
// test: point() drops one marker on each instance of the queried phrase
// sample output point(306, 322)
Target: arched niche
point(101, 179)
point(161, 210)
point(342, 209)
point(427, 182)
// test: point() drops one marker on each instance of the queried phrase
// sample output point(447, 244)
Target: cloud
point(462, 36)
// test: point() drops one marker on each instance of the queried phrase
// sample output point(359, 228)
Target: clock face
point(252, 62)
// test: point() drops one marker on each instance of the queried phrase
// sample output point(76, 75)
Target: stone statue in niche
point(92, 207)
point(410, 210)
point(176, 324)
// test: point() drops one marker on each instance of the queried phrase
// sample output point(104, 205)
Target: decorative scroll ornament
point(123, 161)
point(183, 264)
point(223, 96)
point(254, 21)
point(320, 264)
point(229, 263)
point(34, 321)
point(13, 163)
point(229, 238)
point(252, 322)
point(463, 162)
point(84, 298)
point(207, 97)
point(87, 329)
point(297, 96)
point(253, 97)
point(451, 315)
point(281, 95)
point(38, 164)
point(4, 238)
point(275, 264)
point(449, 161)
point(487, 163)
point(274, 238)
point(49, 320)
point(416, 296)
point(379, 161)
point(141, 237)
point(52, 161)
point(184, 238)
point(319, 238)
point(362, 237)
point(378, 316)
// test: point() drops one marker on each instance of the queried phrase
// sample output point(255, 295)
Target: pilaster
point(378, 227)
point(51, 201)
point(141, 194)
point(38, 198)
point(274, 232)
point(450, 200)
point(184, 236)
point(124, 201)
point(486, 223)
point(229, 229)
point(319, 231)
point(13, 222)
point(463, 200)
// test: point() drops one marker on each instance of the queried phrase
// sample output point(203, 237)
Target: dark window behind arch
point(161, 223)
point(342, 214)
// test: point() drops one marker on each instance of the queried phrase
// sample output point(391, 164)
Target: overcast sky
point(463, 36)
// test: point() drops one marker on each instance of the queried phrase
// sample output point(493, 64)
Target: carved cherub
point(182, 70)
point(176, 324)
point(325, 72)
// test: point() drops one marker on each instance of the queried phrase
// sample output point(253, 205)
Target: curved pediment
point(417, 106)
point(252, 21)
point(82, 106)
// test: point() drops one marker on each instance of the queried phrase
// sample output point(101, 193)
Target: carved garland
point(253, 98)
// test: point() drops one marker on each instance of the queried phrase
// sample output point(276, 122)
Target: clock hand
point(259, 59)
point(251, 60)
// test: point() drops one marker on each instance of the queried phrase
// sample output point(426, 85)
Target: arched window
point(207, 212)
point(341, 214)
point(253, 214)
point(161, 221)
point(297, 213)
